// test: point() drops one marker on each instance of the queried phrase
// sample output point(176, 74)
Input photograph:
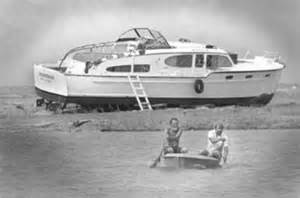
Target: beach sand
point(42, 154)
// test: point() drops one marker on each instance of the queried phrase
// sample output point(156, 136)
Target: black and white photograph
point(152, 99)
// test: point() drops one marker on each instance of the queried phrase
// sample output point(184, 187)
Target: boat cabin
point(141, 50)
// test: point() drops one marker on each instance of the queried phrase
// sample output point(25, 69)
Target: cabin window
point(121, 68)
point(141, 68)
point(88, 56)
point(229, 77)
point(215, 61)
point(145, 33)
point(129, 35)
point(199, 60)
point(180, 61)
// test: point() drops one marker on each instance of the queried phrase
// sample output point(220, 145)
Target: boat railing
point(266, 54)
point(247, 54)
point(105, 48)
point(272, 55)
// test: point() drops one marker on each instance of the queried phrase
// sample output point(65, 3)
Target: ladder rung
point(134, 79)
point(137, 85)
point(141, 93)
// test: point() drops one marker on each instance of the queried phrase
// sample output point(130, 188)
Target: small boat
point(185, 160)
point(141, 68)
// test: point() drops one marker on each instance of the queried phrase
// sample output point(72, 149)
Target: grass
point(282, 113)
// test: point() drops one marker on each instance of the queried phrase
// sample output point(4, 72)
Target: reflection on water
point(262, 163)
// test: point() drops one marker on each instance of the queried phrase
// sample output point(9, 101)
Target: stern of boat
point(50, 82)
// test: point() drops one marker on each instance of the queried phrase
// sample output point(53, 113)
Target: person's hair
point(171, 120)
point(219, 125)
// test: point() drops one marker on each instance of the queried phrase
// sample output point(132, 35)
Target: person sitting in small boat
point(174, 133)
point(217, 146)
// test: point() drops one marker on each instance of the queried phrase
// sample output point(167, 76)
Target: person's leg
point(183, 150)
point(215, 154)
point(176, 149)
point(219, 146)
point(168, 149)
point(204, 152)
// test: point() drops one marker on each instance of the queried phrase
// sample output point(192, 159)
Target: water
point(262, 163)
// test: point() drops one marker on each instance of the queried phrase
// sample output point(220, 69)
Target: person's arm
point(178, 135)
point(216, 140)
point(174, 137)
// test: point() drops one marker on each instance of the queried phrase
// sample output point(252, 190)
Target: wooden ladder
point(139, 92)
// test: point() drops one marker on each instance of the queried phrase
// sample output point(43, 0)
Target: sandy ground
point(43, 154)
point(50, 163)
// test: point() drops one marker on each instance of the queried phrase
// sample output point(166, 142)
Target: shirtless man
point(174, 133)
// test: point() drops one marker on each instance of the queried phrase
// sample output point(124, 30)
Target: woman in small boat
point(174, 133)
point(217, 145)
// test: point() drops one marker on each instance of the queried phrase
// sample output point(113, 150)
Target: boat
point(186, 160)
point(143, 69)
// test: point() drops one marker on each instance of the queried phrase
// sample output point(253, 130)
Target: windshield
point(153, 39)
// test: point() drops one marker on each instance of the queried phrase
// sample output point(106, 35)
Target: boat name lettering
point(46, 75)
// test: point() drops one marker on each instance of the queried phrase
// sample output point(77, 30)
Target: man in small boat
point(174, 133)
point(217, 146)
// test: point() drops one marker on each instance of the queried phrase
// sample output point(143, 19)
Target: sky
point(41, 31)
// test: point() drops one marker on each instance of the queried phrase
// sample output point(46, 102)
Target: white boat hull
point(115, 89)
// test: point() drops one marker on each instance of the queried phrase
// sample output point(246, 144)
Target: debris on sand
point(17, 109)
point(20, 106)
point(44, 125)
point(78, 123)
